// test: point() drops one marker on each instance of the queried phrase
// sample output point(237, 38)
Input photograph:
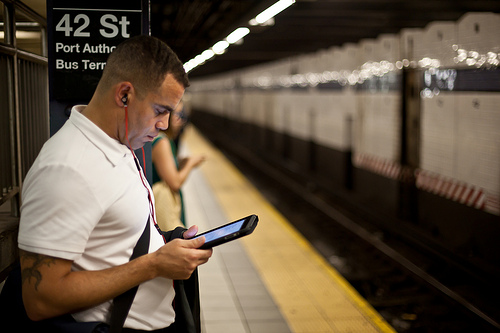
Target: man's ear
point(123, 93)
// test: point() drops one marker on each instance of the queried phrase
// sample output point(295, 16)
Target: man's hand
point(178, 258)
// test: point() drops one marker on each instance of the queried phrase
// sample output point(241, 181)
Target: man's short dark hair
point(144, 61)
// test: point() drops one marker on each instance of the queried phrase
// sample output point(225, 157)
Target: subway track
point(412, 289)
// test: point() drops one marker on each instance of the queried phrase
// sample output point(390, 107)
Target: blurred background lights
point(435, 78)
point(264, 18)
point(275, 9)
point(220, 47)
point(207, 54)
point(237, 34)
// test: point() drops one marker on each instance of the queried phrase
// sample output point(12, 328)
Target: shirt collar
point(114, 151)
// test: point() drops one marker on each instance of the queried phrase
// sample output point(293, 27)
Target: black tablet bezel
point(247, 228)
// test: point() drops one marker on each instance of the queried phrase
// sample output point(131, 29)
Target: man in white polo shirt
point(86, 201)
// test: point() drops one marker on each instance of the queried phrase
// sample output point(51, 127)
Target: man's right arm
point(51, 288)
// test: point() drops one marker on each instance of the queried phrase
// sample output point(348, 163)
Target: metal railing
point(33, 111)
point(24, 118)
point(24, 108)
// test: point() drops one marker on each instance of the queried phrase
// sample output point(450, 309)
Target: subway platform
point(272, 281)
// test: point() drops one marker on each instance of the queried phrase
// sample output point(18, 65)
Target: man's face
point(148, 116)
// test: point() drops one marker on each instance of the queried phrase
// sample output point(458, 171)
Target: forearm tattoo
point(37, 261)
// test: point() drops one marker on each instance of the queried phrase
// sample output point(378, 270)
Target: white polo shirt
point(83, 200)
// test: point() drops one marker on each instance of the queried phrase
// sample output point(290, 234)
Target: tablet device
point(229, 232)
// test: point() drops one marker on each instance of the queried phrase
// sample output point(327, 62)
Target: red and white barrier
point(432, 182)
point(378, 165)
point(457, 191)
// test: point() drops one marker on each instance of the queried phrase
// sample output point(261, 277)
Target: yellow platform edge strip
point(199, 145)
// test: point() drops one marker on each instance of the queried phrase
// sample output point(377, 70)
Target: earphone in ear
point(124, 100)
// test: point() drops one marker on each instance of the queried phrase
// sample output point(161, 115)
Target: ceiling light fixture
point(207, 54)
point(220, 47)
point(237, 34)
point(272, 11)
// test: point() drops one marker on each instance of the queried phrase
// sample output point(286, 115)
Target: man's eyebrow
point(166, 107)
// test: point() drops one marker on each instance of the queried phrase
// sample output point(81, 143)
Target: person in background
point(170, 172)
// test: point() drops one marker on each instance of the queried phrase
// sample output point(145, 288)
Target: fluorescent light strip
point(272, 11)
point(207, 54)
point(220, 47)
point(236, 35)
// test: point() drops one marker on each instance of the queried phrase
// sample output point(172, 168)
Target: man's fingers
point(197, 242)
point(191, 232)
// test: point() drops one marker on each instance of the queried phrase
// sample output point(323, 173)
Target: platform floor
point(273, 280)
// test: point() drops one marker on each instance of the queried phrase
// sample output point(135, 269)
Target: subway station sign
point(82, 34)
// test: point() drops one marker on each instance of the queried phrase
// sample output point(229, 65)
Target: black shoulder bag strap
point(187, 296)
point(123, 302)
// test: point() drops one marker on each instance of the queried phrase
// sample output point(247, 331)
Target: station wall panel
point(298, 119)
point(348, 57)
point(438, 134)
point(368, 51)
point(479, 32)
point(411, 44)
point(250, 102)
point(308, 63)
point(267, 109)
point(388, 48)
point(326, 59)
point(377, 125)
point(332, 124)
point(438, 40)
point(234, 105)
point(279, 118)
point(478, 140)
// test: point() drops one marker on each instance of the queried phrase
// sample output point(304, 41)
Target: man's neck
point(103, 116)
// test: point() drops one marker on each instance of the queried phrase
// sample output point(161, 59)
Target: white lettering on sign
point(60, 47)
point(112, 26)
point(101, 48)
point(82, 38)
point(105, 22)
point(64, 25)
point(61, 64)
point(88, 64)
point(87, 48)
point(86, 21)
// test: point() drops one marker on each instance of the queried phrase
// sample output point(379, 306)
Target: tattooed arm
point(51, 288)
